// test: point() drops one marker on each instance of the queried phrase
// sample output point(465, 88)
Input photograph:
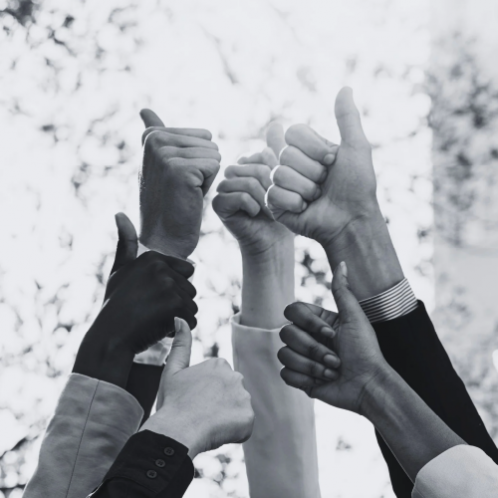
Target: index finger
point(188, 132)
point(311, 143)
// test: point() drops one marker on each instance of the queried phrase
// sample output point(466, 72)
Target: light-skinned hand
point(321, 188)
point(204, 406)
point(179, 167)
point(317, 337)
point(240, 202)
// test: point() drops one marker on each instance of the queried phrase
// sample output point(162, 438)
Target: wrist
point(170, 427)
point(366, 247)
point(377, 391)
point(103, 360)
point(164, 246)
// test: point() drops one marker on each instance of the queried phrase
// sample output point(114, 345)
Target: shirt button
point(151, 474)
point(169, 451)
point(160, 463)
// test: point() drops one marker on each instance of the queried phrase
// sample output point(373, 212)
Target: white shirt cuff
point(393, 303)
point(461, 472)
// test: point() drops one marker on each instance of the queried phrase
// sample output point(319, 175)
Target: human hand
point(320, 188)
point(179, 167)
point(315, 339)
point(204, 406)
point(144, 295)
point(240, 202)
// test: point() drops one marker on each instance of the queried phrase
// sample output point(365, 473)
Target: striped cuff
point(393, 303)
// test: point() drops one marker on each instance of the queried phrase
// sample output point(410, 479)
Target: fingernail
point(331, 361)
point(329, 374)
point(344, 269)
point(328, 332)
point(329, 159)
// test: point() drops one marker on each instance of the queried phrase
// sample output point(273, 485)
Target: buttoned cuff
point(393, 303)
point(238, 328)
point(156, 355)
point(461, 472)
point(152, 461)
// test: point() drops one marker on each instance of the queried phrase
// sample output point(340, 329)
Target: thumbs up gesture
point(179, 167)
point(334, 357)
point(204, 406)
point(320, 187)
point(144, 295)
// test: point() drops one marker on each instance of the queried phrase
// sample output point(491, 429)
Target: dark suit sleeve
point(149, 466)
point(411, 346)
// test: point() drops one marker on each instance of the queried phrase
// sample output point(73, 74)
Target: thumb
point(275, 138)
point(179, 356)
point(347, 304)
point(127, 242)
point(150, 118)
point(348, 118)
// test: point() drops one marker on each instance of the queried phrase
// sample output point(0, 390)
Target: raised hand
point(321, 188)
point(240, 202)
point(204, 406)
point(179, 167)
point(317, 338)
point(142, 298)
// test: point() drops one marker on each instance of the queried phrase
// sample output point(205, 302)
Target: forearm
point(98, 359)
point(413, 432)
point(366, 247)
point(267, 285)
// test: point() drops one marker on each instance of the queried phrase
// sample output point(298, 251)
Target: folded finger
point(299, 363)
point(228, 204)
point(247, 184)
point(300, 380)
point(311, 143)
point(303, 164)
point(289, 179)
point(306, 345)
point(259, 171)
point(189, 132)
point(313, 319)
point(160, 138)
point(190, 152)
point(284, 200)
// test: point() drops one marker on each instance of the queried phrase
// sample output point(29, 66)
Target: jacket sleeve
point(411, 346)
point(92, 422)
point(281, 455)
point(460, 472)
point(150, 465)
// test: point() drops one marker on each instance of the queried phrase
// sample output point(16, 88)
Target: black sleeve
point(411, 346)
point(150, 465)
point(143, 383)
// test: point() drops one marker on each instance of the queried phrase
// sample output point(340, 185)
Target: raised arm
point(281, 457)
point(365, 383)
point(328, 192)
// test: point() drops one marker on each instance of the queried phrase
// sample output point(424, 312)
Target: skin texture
point(364, 383)
point(179, 167)
point(204, 406)
point(142, 298)
point(267, 247)
point(328, 192)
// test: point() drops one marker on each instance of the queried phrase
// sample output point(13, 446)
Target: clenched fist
point(240, 202)
point(179, 166)
point(320, 188)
